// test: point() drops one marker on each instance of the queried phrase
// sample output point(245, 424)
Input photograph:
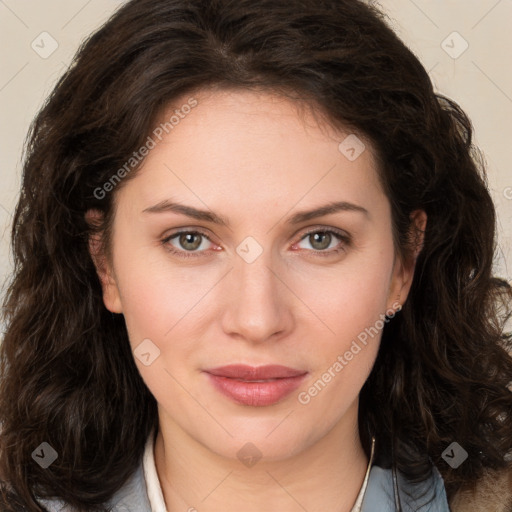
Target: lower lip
point(256, 394)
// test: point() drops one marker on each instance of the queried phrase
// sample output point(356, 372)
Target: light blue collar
point(379, 495)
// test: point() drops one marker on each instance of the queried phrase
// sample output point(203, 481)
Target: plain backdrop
point(466, 46)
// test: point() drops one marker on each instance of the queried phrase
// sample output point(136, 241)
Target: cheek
point(349, 303)
point(165, 304)
point(350, 298)
point(156, 294)
point(160, 315)
point(347, 339)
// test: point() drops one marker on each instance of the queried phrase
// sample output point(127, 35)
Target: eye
point(322, 239)
point(190, 242)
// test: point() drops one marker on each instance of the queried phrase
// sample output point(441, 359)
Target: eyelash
point(346, 239)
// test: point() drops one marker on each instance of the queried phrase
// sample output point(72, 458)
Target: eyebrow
point(297, 218)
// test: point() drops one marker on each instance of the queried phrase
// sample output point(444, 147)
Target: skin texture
point(253, 159)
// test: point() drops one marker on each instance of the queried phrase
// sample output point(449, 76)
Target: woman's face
point(270, 285)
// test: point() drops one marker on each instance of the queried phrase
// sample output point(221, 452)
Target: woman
point(253, 255)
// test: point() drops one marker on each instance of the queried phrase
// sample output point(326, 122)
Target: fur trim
point(493, 494)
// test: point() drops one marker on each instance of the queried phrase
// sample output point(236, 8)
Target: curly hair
point(68, 376)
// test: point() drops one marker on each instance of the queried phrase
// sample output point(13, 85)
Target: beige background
point(479, 79)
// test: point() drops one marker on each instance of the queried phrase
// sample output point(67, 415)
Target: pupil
point(185, 240)
point(325, 236)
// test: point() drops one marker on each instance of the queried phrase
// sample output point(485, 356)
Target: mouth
point(255, 386)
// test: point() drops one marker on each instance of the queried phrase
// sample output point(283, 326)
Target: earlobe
point(111, 297)
point(404, 268)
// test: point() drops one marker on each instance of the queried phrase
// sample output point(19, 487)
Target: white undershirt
point(156, 497)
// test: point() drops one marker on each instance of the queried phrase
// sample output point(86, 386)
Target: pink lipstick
point(255, 386)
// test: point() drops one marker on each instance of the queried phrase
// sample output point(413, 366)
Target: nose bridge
point(257, 278)
point(258, 307)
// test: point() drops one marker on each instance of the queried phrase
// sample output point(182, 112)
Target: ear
point(111, 296)
point(403, 271)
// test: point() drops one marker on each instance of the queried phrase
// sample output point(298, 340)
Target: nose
point(259, 303)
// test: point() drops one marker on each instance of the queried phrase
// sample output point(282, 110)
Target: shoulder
point(493, 492)
point(132, 497)
point(386, 493)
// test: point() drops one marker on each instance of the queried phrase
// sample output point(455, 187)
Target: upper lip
point(245, 372)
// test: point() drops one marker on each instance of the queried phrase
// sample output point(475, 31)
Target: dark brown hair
point(67, 372)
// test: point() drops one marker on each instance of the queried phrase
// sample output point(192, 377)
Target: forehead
point(251, 148)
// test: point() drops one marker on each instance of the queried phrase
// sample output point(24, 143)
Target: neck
point(327, 475)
